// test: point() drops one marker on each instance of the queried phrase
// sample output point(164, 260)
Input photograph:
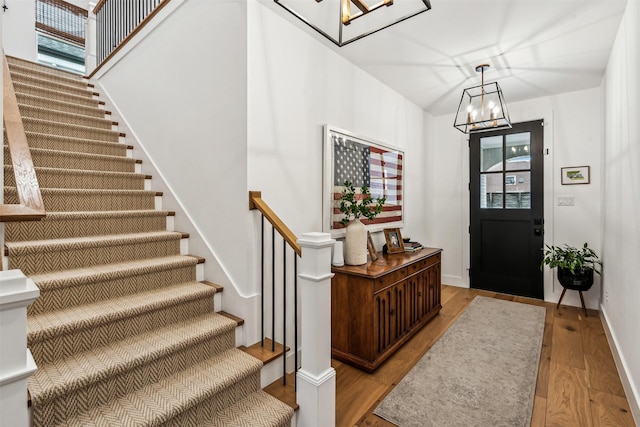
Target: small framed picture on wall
point(575, 175)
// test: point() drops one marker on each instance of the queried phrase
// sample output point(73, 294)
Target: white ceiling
point(535, 48)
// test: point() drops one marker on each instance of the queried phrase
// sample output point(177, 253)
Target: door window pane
point(517, 147)
point(491, 191)
point(517, 190)
point(491, 153)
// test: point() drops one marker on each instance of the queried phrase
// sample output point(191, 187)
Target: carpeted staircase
point(123, 333)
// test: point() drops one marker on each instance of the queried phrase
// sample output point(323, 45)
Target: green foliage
point(570, 258)
point(352, 207)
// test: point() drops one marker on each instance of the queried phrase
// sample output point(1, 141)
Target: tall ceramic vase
point(355, 252)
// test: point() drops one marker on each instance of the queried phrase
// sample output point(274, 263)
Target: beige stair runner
point(123, 333)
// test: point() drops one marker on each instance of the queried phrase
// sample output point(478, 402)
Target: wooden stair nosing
point(218, 288)
point(264, 353)
point(239, 321)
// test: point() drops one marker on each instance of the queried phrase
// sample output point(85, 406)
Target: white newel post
point(90, 45)
point(316, 393)
point(16, 362)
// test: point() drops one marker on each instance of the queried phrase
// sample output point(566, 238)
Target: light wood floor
point(578, 384)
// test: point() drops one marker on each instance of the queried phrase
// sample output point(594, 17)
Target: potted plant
point(575, 267)
point(355, 205)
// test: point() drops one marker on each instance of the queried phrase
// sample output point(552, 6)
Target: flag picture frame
point(361, 161)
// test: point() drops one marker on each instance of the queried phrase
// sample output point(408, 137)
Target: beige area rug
point(481, 372)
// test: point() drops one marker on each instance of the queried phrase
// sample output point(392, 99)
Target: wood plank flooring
point(578, 384)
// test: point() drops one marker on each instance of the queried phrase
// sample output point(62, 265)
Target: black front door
point(507, 224)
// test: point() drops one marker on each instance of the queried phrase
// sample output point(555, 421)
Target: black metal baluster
point(284, 311)
point(295, 321)
point(262, 282)
point(273, 289)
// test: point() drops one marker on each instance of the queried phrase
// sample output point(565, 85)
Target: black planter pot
point(579, 280)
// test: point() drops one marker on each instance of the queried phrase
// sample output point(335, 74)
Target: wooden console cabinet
point(378, 306)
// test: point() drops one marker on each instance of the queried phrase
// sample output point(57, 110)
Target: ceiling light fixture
point(482, 108)
point(335, 21)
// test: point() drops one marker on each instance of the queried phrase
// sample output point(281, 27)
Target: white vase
point(355, 252)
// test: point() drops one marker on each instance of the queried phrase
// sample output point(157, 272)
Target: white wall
point(621, 200)
point(296, 85)
point(180, 89)
point(574, 136)
point(19, 29)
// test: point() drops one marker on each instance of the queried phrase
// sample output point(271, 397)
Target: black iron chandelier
point(482, 108)
point(339, 20)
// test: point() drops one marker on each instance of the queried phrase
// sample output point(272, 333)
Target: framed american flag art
point(362, 162)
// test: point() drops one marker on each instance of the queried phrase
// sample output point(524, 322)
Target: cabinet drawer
point(434, 259)
point(389, 279)
point(416, 266)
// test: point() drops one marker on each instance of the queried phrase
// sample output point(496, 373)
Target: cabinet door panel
point(385, 319)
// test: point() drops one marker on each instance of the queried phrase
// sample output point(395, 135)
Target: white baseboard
point(458, 281)
point(633, 395)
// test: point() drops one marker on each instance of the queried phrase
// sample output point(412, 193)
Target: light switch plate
point(566, 201)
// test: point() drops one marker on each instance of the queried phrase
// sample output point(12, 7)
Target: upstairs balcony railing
point(118, 21)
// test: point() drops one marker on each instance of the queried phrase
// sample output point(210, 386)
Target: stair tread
point(105, 214)
point(161, 401)
point(27, 119)
point(258, 408)
point(83, 172)
point(25, 109)
point(81, 276)
point(34, 246)
point(92, 366)
point(33, 135)
point(14, 61)
point(31, 100)
point(24, 88)
point(98, 191)
point(83, 155)
point(44, 326)
point(38, 81)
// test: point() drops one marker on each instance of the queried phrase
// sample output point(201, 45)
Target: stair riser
point(76, 90)
point(35, 101)
point(80, 340)
point(43, 75)
point(44, 261)
point(205, 413)
point(74, 145)
point(95, 291)
point(67, 228)
point(55, 95)
point(73, 131)
point(42, 68)
point(63, 202)
point(64, 117)
point(118, 385)
point(62, 179)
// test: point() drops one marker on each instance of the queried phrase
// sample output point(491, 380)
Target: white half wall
point(574, 136)
point(296, 86)
point(621, 201)
point(19, 30)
